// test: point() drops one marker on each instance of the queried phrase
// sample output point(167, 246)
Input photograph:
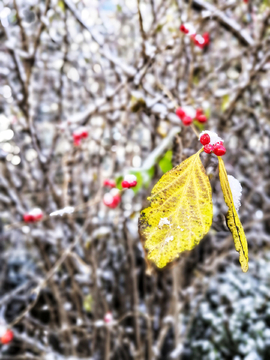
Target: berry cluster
point(212, 143)
point(129, 181)
point(33, 215)
point(188, 114)
point(112, 198)
point(6, 335)
point(78, 135)
point(199, 40)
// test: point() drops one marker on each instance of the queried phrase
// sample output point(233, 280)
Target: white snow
point(130, 178)
point(177, 351)
point(214, 138)
point(35, 211)
point(3, 329)
point(189, 111)
point(170, 238)
point(236, 190)
point(114, 192)
point(108, 198)
point(200, 39)
point(61, 212)
point(191, 28)
point(163, 221)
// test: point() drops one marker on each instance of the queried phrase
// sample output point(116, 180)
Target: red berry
point(208, 148)
point(219, 143)
point(116, 201)
point(128, 184)
point(38, 216)
point(129, 181)
point(112, 199)
point(108, 318)
point(206, 38)
point(202, 118)
point(7, 337)
point(109, 183)
point(198, 113)
point(125, 184)
point(187, 120)
point(198, 40)
point(180, 113)
point(28, 218)
point(201, 40)
point(33, 215)
point(205, 139)
point(77, 142)
point(84, 134)
point(219, 150)
point(184, 29)
point(76, 136)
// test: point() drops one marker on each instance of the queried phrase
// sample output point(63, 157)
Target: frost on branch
point(61, 212)
point(236, 190)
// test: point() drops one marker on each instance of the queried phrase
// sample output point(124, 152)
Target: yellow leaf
point(233, 221)
point(180, 212)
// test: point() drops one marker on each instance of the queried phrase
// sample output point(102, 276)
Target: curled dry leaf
point(233, 221)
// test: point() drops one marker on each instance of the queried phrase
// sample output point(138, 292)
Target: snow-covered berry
point(7, 337)
point(109, 183)
point(205, 139)
point(129, 181)
point(190, 28)
point(112, 199)
point(186, 111)
point(219, 150)
point(208, 148)
point(108, 318)
point(201, 40)
point(79, 134)
point(32, 216)
point(214, 138)
point(189, 111)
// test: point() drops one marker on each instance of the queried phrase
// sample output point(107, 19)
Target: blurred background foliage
point(75, 286)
